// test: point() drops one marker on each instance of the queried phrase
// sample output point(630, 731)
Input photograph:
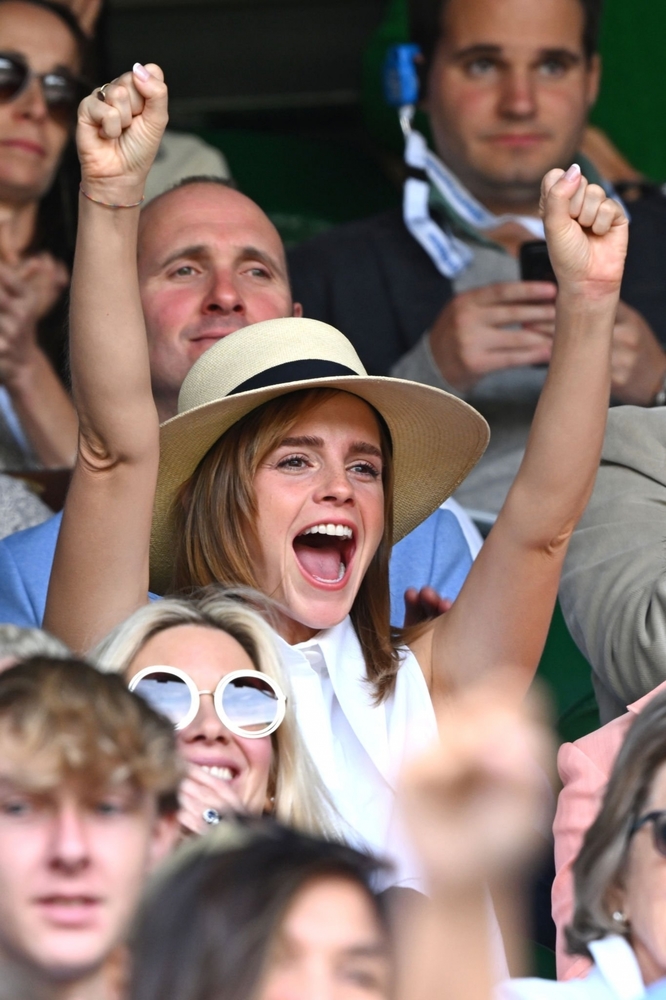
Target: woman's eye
point(366, 979)
point(292, 462)
point(366, 469)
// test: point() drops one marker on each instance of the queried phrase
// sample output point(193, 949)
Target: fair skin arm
point(502, 614)
point(113, 485)
point(479, 793)
point(46, 412)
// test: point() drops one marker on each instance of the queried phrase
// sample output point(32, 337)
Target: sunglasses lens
point(12, 77)
point(250, 704)
point(61, 95)
point(168, 695)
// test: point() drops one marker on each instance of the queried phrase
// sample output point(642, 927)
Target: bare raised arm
point(472, 806)
point(502, 614)
point(100, 573)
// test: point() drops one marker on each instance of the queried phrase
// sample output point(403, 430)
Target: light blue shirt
point(437, 554)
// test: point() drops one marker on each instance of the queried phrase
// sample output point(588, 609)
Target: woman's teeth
point(341, 530)
point(219, 772)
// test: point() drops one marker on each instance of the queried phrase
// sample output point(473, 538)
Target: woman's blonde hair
point(300, 798)
point(216, 509)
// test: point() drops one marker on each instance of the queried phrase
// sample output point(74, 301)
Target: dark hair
point(426, 24)
point(600, 865)
point(55, 229)
point(204, 930)
point(62, 719)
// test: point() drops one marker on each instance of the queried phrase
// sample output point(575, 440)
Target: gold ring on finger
point(101, 93)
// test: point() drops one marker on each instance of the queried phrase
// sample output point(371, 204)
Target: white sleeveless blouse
point(360, 747)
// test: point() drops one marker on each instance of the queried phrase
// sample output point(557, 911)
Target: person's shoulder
point(636, 439)
point(29, 543)
point(644, 202)
point(647, 218)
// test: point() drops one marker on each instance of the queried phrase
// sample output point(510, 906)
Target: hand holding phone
point(535, 263)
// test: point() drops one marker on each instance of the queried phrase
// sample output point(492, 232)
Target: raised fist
point(586, 232)
point(118, 136)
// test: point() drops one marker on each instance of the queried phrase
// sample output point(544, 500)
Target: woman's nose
point(207, 724)
point(31, 103)
point(334, 486)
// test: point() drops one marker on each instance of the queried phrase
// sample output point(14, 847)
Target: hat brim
point(437, 439)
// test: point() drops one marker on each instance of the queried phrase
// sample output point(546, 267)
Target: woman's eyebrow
point(302, 442)
point(365, 448)
point(371, 950)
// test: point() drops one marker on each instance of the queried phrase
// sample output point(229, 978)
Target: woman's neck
point(292, 631)
point(17, 229)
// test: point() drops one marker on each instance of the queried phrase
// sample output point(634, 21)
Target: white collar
point(617, 965)
point(342, 656)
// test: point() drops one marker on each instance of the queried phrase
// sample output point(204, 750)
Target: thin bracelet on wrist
point(660, 397)
point(108, 204)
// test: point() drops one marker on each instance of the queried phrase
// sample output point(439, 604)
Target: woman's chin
point(309, 617)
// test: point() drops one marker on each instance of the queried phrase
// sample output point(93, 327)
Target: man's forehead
point(20, 778)
point(513, 24)
point(205, 215)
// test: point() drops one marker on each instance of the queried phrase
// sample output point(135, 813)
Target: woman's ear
point(617, 908)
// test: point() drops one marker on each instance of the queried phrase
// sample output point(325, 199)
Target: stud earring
point(620, 917)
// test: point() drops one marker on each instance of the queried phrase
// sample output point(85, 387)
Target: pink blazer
point(584, 768)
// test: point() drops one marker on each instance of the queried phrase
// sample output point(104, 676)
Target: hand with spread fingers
point(586, 232)
point(120, 127)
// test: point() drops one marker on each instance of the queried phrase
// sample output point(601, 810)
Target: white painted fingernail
point(573, 172)
point(140, 71)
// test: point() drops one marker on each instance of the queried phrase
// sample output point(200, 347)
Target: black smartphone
point(535, 263)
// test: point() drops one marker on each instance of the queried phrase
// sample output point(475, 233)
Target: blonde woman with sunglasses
point(211, 666)
point(290, 469)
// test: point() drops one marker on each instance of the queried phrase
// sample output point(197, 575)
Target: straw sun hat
point(437, 438)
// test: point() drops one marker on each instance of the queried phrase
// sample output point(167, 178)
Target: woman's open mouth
point(324, 553)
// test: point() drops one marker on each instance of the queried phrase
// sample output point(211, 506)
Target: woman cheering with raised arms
point(289, 469)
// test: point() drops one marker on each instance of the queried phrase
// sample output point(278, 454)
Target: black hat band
point(293, 371)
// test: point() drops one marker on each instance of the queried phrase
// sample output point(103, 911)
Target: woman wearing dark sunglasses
point(42, 50)
point(211, 666)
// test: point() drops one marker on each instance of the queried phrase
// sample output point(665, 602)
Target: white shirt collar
point(617, 965)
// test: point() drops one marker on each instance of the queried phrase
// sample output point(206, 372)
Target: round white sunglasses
point(250, 704)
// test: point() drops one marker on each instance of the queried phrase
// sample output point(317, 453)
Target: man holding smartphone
point(508, 88)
